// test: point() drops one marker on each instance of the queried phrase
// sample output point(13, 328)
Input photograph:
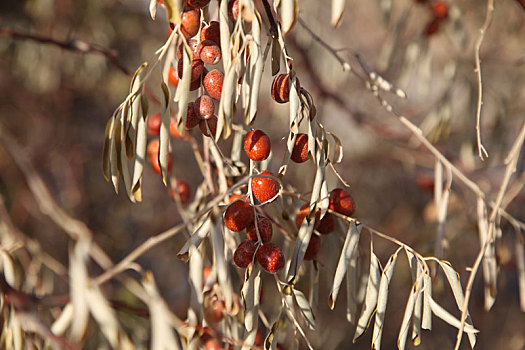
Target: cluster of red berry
point(439, 10)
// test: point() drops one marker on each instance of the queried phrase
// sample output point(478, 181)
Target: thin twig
point(482, 152)
point(71, 45)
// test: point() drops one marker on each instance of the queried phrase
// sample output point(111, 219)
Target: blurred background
point(55, 102)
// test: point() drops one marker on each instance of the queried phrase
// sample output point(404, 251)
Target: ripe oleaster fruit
point(213, 83)
point(300, 149)
point(313, 247)
point(265, 229)
point(270, 256)
point(238, 216)
point(303, 212)
point(154, 124)
point(264, 188)
point(341, 202)
point(257, 145)
point(243, 255)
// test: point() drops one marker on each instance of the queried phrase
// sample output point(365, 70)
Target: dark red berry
point(265, 229)
point(213, 83)
point(327, 224)
point(215, 313)
point(154, 124)
point(303, 212)
point(204, 107)
point(190, 23)
point(300, 149)
point(153, 156)
point(205, 124)
point(209, 52)
point(313, 247)
point(270, 256)
point(193, 44)
point(432, 27)
point(281, 88)
point(257, 145)
point(212, 32)
point(233, 10)
point(243, 255)
point(197, 68)
point(183, 190)
point(238, 216)
point(173, 76)
point(341, 202)
point(198, 4)
point(264, 188)
point(191, 117)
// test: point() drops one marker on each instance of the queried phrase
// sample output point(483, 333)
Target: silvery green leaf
point(386, 277)
point(349, 250)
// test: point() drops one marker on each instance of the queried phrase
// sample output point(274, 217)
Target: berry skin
point(439, 9)
point(174, 131)
point(313, 247)
point(233, 10)
point(190, 23)
point(303, 212)
point(270, 256)
point(212, 32)
point(238, 216)
point(197, 68)
point(327, 224)
point(204, 107)
point(264, 188)
point(281, 88)
point(209, 52)
point(173, 77)
point(193, 44)
point(432, 27)
point(153, 149)
point(341, 202)
point(243, 255)
point(214, 312)
point(154, 160)
point(192, 120)
point(265, 229)
point(198, 4)
point(213, 83)
point(300, 149)
point(234, 197)
point(212, 125)
point(154, 124)
point(183, 190)
point(257, 145)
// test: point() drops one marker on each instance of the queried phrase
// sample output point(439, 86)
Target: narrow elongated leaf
point(382, 300)
point(449, 318)
point(288, 14)
point(372, 292)
point(276, 56)
point(7, 266)
point(304, 307)
point(164, 145)
point(338, 7)
point(257, 66)
point(250, 296)
point(337, 157)
point(405, 323)
point(140, 158)
point(349, 250)
point(223, 272)
point(520, 264)
point(61, 324)
point(195, 240)
point(153, 9)
point(426, 322)
point(106, 153)
point(225, 34)
point(489, 262)
point(78, 284)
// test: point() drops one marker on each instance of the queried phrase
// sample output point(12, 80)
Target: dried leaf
point(223, 272)
point(372, 292)
point(338, 7)
point(304, 307)
point(140, 159)
point(195, 239)
point(164, 139)
point(78, 285)
point(382, 300)
point(448, 318)
point(426, 322)
point(349, 250)
point(405, 323)
point(153, 9)
point(520, 265)
point(288, 14)
point(337, 157)
point(276, 56)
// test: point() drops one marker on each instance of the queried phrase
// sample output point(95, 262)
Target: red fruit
point(205, 273)
point(156, 165)
point(214, 313)
point(193, 44)
point(426, 183)
point(192, 120)
point(257, 145)
point(212, 32)
point(303, 212)
point(183, 190)
point(313, 247)
point(265, 229)
point(281, 88)
point(153, 149)
point(197, 68)
point(194, 85)
point(204, 107)
point(234, 197)
point(233, 10)
point(341, 202)
point(238, 216)
point(243, 255)
point(270, 256)
point(264, 188)
point(197, 4)
point(432, 27)
point(213, 83)
point(190, 23)
point(211, 123)
point(439, 9)
point(174, 131)
point(300, 149)
point(327, 224)
point(154, 124)
point(173, 76)
point(209, 52)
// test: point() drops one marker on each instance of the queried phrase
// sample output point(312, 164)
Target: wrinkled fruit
point(243, 255)
point(265, 230)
